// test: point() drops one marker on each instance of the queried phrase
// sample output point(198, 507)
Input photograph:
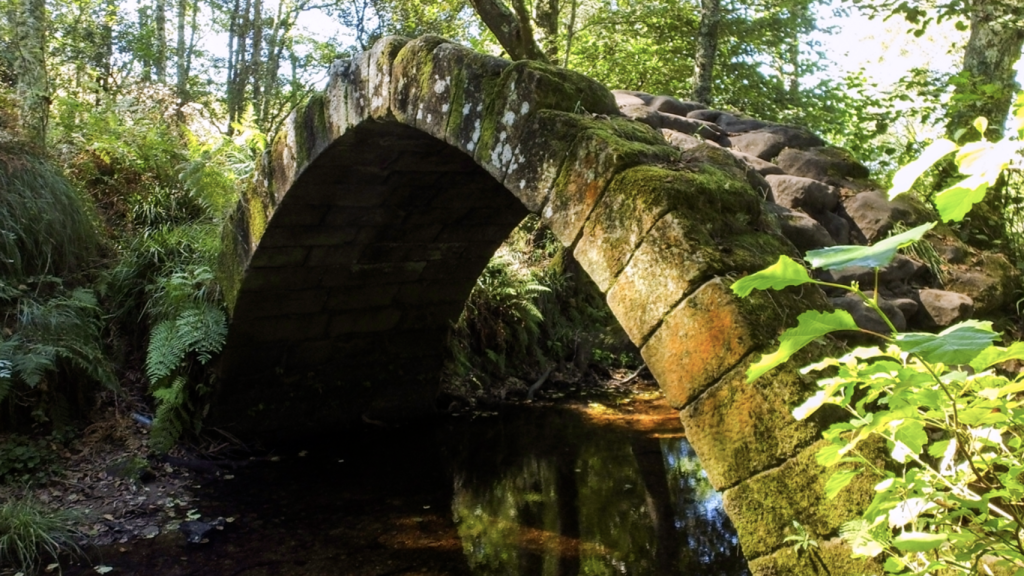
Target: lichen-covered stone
point(523, 88)
point(638, 197)
point(421, 94)
point(597, 155)
point(763, 508)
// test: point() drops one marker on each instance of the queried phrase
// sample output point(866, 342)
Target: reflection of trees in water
point(707, 531)
point(598, 503)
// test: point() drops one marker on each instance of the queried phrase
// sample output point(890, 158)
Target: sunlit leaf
point(955, 202)
point(981, 124)
point(911, 433)
point(811, 325)
point(869, 256)
point(918, 541)
point(811, 405)
point(839, 480)
point(785, 272)
point(906, 176)
point(995, 355)
point(958, 344)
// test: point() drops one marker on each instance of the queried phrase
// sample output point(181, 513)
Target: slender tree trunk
point(570, 32)
point(256, 60)
point(180, 58)
point(797, 14)
point(994, 47)
point(33, 84)
point(160, 60)
point(107, 45)
point(707, 50)
point(144, 57)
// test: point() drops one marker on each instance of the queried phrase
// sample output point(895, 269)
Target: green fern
point(196, 333)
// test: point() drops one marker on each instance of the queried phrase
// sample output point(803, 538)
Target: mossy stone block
point(421, 93)
point(595, 158)
point(764, 507)
point(524, 88)
point(711, 198)
point(375, 77)
point(702, 339)
point(673, 260)
point(473, 80)
point(831, 557)
point(740, 429)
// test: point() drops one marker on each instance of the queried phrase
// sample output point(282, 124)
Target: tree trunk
point(106, 63)
point(33, 84)
point(255, 61)
point(707, 50)
point(160, 54)
point(994, 47)
point(180, 58)
point(570, 33)
point(513, 30)
point(545, 14)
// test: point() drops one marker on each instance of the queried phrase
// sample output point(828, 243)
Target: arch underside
point(345, 307)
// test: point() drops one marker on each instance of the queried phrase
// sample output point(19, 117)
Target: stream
point(530, 491)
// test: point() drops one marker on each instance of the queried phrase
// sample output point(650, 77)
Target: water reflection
point(567, 499)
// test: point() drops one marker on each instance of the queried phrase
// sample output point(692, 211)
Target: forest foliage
point(132, 128)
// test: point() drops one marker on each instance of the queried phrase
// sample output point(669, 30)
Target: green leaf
point(955, 202)
point(786, 272)
point(958, 344)
point(839, 480)
point(869, 256)
point(893, 565)
point(906, 176)
point(994, 355)
point(919, 541)
point(911, 433)
point(811, 325)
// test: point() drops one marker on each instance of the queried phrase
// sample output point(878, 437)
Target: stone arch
point(387, 194)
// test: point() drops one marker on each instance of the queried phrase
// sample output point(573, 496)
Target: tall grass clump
point(46, 228)
point(31, 534)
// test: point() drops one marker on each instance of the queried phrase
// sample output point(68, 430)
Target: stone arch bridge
point(386, 197)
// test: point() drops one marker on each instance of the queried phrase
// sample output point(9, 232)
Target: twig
point(633, 375)
point(540, 382)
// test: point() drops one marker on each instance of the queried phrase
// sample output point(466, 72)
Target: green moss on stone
point(763, 508)
point(831, 557)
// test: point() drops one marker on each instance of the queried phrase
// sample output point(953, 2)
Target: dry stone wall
point(385, 196)
point(822, 196)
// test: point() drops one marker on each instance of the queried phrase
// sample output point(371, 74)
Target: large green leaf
point(994, 355)
point(869, 256)
point(958, 344)
point(811, 325)
point(785, 272)
point(919, 541)
point(955, 202)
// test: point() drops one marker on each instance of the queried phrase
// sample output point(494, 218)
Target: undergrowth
point(31, 534)
point(532, 308)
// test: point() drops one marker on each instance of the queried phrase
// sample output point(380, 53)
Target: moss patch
point(764, 507)
point(831, 557)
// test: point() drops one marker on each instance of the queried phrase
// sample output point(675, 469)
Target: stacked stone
point(822, 196)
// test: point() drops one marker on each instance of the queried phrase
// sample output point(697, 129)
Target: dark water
point(526, 492)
